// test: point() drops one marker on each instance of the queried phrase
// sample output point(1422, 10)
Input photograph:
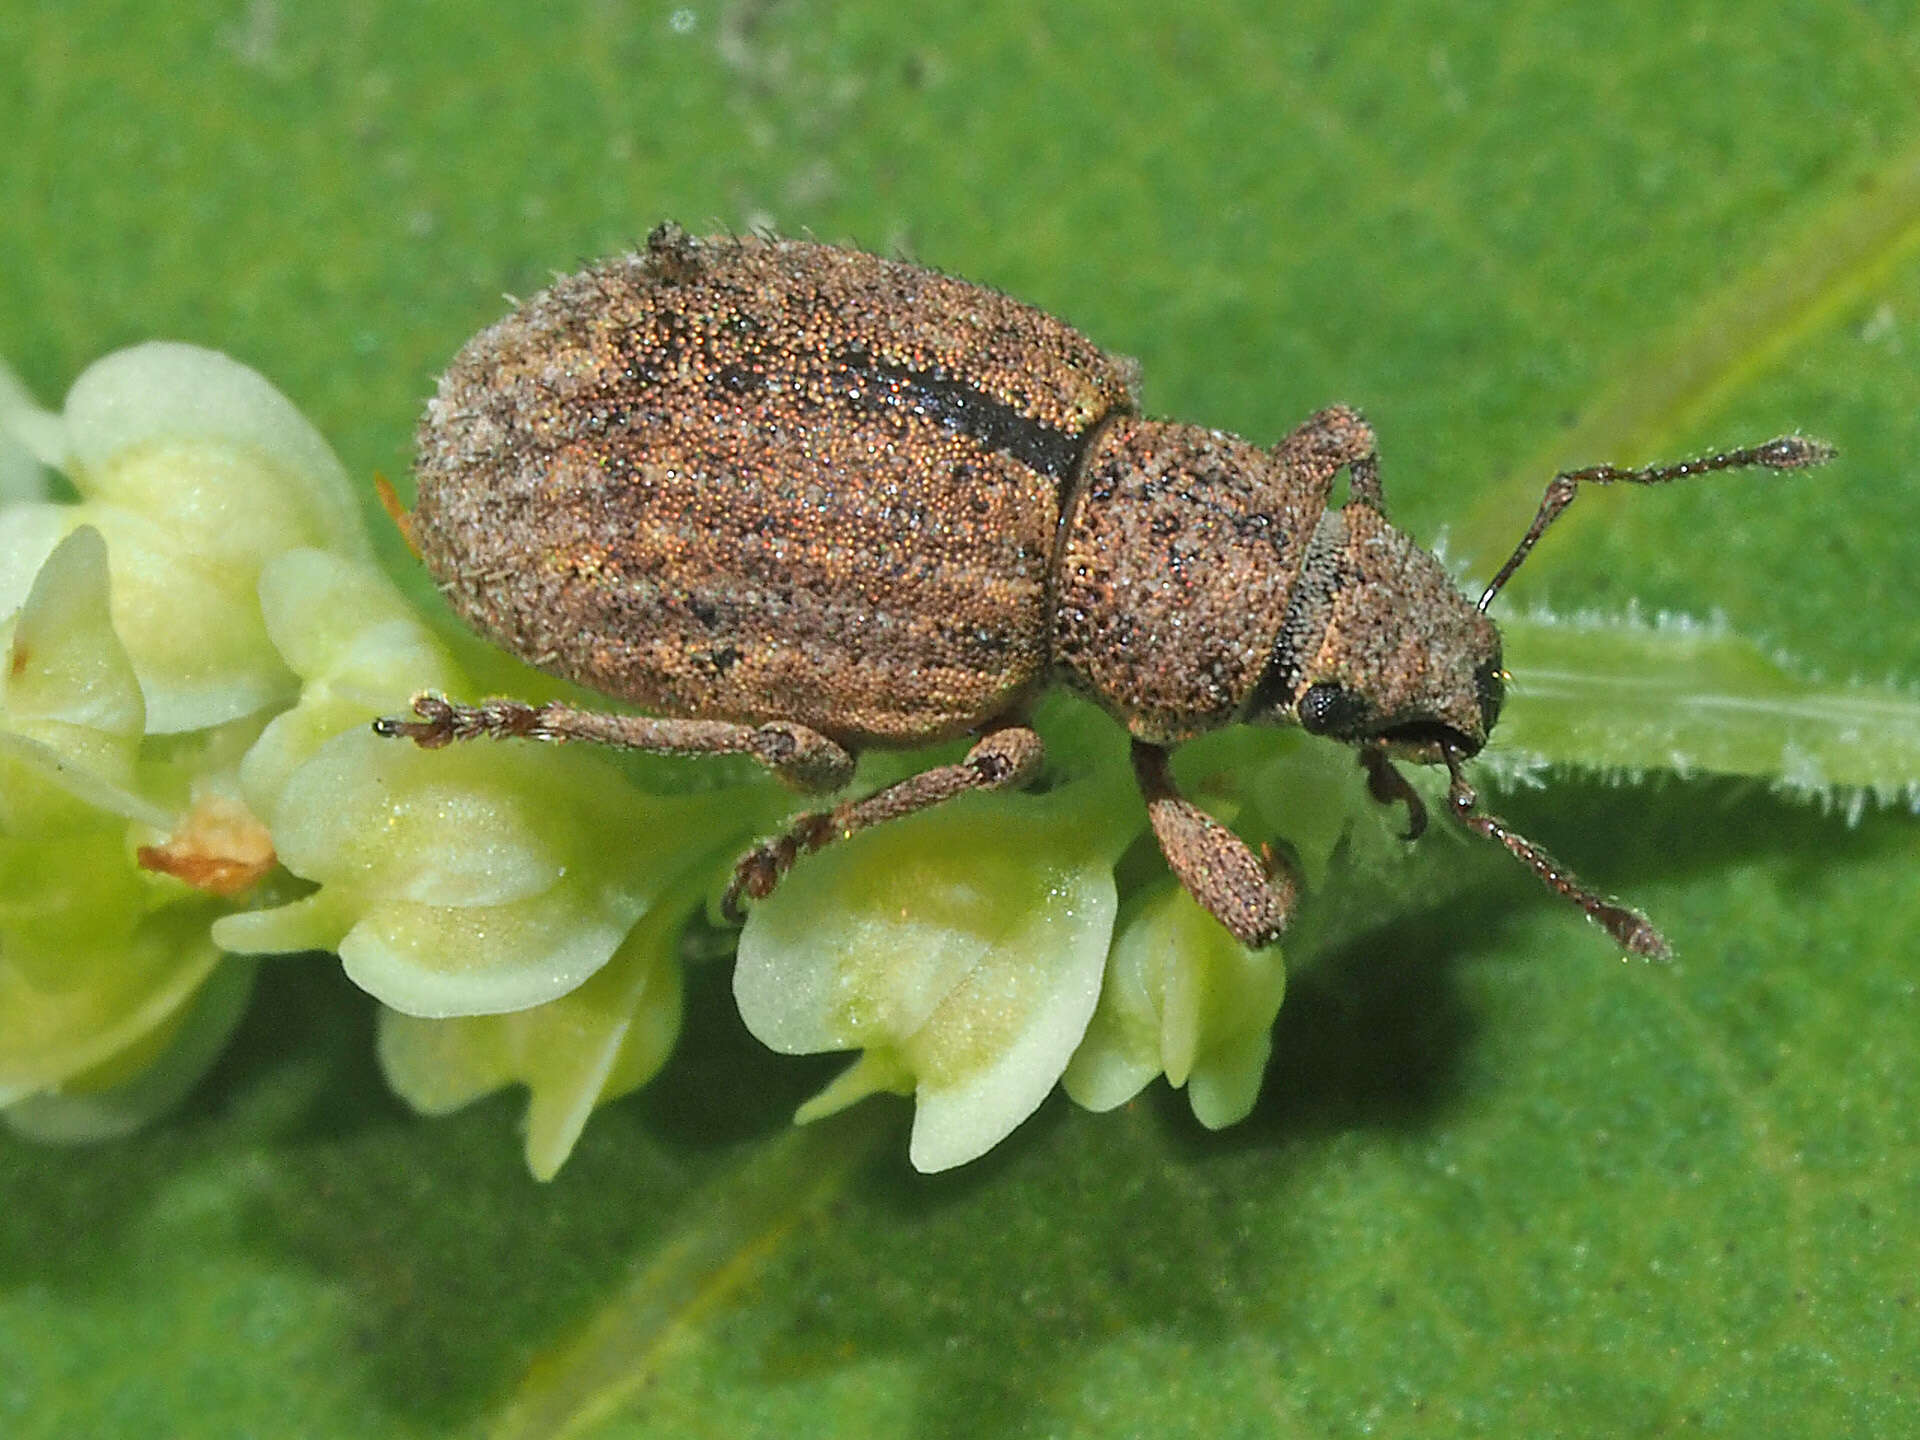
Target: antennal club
point(1629, 928)
point(1789, 452)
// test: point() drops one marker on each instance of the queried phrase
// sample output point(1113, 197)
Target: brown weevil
point(796, 500)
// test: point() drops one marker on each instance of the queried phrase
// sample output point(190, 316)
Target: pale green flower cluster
point(980, 953)
point(138, 670)
point(195, 639)
point(516, 907)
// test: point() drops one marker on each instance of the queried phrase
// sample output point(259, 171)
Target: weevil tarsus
point(1389, 787)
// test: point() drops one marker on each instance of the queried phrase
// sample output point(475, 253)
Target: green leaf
point(1621, 696)
point(1496, 1182)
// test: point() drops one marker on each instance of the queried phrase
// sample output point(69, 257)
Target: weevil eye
point(1331, 710)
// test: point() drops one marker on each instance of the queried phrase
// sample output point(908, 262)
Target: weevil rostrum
point(796, 500)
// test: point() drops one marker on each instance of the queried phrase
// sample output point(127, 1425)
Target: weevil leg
point(802, 757)
point(1000, 760)
point(1251, 897)
point(1334, 437)
point(1389, 787)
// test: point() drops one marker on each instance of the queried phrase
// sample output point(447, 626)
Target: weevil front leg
point(1327, 440)
point(1388, 786)
point(1252, 897)
point(1003, 759)
point(802, 757)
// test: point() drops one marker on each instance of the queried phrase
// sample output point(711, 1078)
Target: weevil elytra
point(796, 500)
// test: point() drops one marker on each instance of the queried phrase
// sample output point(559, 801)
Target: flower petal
point(148, 1080)
point(196, 471)
point(66, 670)
point(67, 1012)
point(592, 1045)
point(1184, 998)
point(266, 479)
point(966, 942)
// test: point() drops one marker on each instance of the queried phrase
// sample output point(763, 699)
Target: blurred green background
point(1499, 1183)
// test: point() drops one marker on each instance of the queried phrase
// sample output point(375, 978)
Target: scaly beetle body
point(798, 500)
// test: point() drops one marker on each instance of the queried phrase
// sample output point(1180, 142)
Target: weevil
point(795, 500)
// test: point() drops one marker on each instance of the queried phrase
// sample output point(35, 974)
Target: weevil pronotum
point(796, 500)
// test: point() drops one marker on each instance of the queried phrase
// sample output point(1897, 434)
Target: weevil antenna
point(1629, 928)
point(1789, 452)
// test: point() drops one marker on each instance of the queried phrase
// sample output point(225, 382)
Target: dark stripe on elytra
point(852, 376)
point(961, 408)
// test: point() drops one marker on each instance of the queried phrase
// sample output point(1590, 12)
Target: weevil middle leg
point(1002, 759)
point(1005, 758)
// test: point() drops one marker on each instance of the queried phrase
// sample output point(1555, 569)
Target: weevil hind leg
point(1003, 759)
point(1252, 897)
point(802, 757)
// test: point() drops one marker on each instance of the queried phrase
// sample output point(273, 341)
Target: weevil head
point(1381, 648)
